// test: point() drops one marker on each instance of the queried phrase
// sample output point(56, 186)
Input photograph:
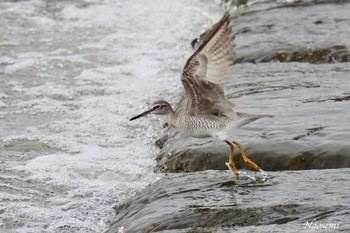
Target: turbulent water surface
point(71, 74)
point(310, 103)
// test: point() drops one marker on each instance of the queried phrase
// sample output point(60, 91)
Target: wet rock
point(235, 3)
point(302, 97)
point(309, 129)
point(269, 156)
point(337, 53)
point(212, 201)
point(296, 31)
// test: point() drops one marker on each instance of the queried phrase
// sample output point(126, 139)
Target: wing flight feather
point(205, 69)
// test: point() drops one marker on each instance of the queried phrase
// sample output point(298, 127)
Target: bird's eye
point(157, 106)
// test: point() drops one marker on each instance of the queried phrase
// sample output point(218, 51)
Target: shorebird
point(208, 112)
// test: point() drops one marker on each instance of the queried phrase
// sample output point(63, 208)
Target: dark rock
point(269, 156)
point(302, 97)
point(309, 129)
point(264, 31)
point(211, 201)
point(337, 53)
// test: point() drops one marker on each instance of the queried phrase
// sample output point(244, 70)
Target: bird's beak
point(142, 114)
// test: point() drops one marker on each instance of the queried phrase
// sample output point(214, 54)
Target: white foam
point(112, 59)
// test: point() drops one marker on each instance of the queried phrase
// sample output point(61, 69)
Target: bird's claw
point(233, 170)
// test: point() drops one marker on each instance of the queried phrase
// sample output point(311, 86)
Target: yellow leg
point(231, 164)
point(245, 158)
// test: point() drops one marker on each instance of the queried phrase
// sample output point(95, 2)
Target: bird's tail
point(246, 118)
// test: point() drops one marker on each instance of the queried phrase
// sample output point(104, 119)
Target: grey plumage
point(208, 112)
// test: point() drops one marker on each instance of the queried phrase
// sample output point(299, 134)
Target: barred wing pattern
point(205, 69)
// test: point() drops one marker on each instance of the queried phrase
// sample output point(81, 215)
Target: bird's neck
point(171, 117)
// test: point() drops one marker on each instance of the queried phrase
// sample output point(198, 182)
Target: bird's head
point(160, 107)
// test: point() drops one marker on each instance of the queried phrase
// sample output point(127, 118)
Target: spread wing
point(205, 69)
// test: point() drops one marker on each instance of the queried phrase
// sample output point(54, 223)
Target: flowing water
point(71, 74)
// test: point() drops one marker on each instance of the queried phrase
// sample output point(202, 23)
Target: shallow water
point(310, 102)
point(309, 130)
point(71, 74)
point(213, 201)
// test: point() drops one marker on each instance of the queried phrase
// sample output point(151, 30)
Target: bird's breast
point(197, 126)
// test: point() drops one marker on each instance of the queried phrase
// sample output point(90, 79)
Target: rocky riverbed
point(292, 62)
point(212, 201)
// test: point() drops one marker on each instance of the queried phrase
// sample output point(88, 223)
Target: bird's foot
point(233, 169)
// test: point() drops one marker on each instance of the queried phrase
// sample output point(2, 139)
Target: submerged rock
point(336, 53)
point(310, 103)
point(212, 201)
point(269, 156)
point(309, 129)
point(296, 31)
